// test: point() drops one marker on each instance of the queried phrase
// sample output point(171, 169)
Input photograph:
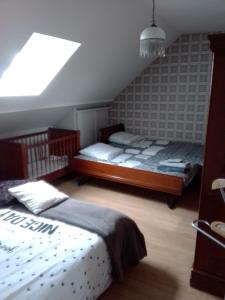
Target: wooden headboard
point(107, 131)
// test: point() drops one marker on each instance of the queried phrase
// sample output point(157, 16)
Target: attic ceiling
point(18, 122)
point(109, 32)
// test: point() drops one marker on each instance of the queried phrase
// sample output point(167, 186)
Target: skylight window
point(34, 67)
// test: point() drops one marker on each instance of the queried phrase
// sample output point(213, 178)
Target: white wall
point(107, 60)
point(22, 132)
point(68, 121)
point(27, 121)
point(89, 121)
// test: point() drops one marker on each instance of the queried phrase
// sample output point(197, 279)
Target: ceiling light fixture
point(152, 39)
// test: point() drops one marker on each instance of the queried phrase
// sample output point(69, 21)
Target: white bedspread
point(121, 158)
point(130, 163)
point(46, 259)
point(153, 150)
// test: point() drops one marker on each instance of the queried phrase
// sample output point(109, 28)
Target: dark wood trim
point(145, 179)
point(25, 135)
point(208, 283)
point(14, 155)
point(54, 133)
point(217, 43)
point(172, 200)
point(13, 161)
point(55, 175)
point(209, 262)
point(107, 131)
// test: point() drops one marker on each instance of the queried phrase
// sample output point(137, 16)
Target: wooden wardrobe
point(208, 272)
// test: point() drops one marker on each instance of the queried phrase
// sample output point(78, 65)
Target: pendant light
point(152, 39)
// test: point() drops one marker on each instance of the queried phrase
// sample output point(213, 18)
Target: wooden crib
point(42, 155)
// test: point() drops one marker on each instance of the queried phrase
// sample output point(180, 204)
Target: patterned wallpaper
point(170, 99)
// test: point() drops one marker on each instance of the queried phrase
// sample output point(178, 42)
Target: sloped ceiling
point(13, 123)
point(109, 32)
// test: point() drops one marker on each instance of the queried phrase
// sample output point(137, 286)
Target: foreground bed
point(146, 175)
point(73, 250)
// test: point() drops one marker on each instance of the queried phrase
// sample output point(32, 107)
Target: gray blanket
point(125, 242)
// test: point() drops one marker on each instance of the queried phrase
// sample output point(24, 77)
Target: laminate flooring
point(164, 274)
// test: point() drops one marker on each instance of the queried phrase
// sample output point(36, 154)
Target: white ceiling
point(17, 122)
point(109, 32)
point(189, 16)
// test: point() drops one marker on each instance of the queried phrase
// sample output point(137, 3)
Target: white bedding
point(130, 163)
point(132, 151)
point(142, 144)
point(153, 150)
point(124, 138)
point(46, 259)
point(101, 151)
point(121, 158)
point(37, 196)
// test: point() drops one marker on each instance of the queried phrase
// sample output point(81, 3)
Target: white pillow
point(37, 196)
point(101, 151)
point(124, 138)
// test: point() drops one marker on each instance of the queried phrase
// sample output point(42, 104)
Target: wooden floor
point(164, 274)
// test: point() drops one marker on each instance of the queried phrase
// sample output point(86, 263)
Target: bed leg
point(172, 200)
point(82, 179)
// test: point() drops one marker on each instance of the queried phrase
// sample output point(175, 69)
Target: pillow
point(101, 151)
point(37, 196)
point(124, 138)
point(5, 197)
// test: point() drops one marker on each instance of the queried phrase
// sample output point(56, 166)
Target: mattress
point(46, 259)
point(189, 152)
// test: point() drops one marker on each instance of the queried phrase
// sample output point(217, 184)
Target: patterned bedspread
point(188, 152)
point(46, 259)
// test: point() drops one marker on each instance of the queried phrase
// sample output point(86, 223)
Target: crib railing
point(28, 139)
point(50, 156)
point(43, 154)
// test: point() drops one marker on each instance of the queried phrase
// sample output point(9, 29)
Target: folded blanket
point(173, 169)
point(174, 165)
point(142, 156)
point(130, 163)
point(162, 142)
point(174, 160)
point(121, 158)
point(132, 151)
point(181, 165)
point(142, 144)
point(124, 241)
point(153, 150)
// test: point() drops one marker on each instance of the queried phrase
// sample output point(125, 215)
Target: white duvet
point(46, 259)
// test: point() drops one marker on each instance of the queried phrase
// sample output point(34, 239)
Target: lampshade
point(152, 40)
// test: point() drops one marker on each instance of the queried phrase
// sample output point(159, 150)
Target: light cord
point(153, 13)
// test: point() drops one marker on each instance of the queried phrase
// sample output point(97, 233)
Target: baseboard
point(208, 283)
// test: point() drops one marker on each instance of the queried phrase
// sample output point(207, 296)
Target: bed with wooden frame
point(42, 155)
point(169, 184)
point(69, 250)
